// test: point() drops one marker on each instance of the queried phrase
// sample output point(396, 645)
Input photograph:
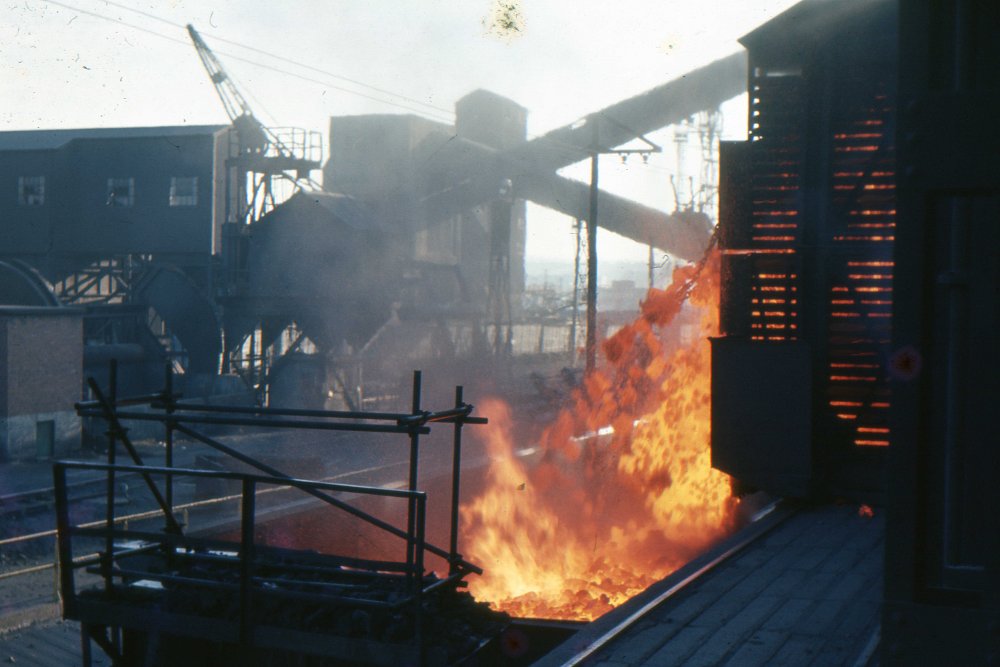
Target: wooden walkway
point(51, 644)
point(806, 593)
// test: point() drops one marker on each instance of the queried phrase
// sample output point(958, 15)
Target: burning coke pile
point(623, 492)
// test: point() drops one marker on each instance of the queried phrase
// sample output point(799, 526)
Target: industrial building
point(76, 198)
point(200, 233)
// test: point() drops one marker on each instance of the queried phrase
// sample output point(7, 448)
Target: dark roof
point(808, 20)
point(342, 208)
point(348, 209)
point(33, 140)
point(483, 94)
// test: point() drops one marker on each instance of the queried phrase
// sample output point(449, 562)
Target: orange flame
point(624, 492)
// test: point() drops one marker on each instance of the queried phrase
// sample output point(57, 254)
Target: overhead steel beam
point(474, 172)
point(683, 234)
point(699, 90)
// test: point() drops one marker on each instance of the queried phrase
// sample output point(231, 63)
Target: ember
point(624, 493)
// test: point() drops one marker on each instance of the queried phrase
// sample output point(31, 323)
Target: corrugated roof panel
point(35, 140)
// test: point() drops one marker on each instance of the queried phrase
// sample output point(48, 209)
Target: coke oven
point(807, 225)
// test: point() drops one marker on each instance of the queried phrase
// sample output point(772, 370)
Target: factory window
point(121, 192)
point(184, 191)
point(31, 190)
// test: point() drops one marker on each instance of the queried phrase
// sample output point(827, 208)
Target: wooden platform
point(807, 592)
point(50, 644)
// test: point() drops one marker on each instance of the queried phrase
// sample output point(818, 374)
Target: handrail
point(413, 568)
point(266, 423)
point(183, 418)
point(175, 416)
point(438, 551)
point(226, 474)
point(116, 431)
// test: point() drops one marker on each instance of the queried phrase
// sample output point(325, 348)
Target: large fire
point(624, 492)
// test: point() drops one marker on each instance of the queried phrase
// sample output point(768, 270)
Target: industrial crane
point(259, 156)
point(259, 161)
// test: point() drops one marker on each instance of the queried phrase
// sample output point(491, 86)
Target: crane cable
point(285, 59)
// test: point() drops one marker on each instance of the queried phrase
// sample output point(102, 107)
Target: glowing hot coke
point(624, 493)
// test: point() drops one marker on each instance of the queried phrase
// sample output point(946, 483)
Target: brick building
point(41, 376)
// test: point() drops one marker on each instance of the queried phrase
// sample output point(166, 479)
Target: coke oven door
point(762, 415)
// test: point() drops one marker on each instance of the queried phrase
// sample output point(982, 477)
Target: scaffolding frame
point(261, 572)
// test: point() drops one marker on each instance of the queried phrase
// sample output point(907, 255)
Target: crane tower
point(264, 165)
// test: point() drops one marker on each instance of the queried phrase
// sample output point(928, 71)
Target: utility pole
point(595, 152)
point(498, 296)
point(576, 293)
point(650, 265)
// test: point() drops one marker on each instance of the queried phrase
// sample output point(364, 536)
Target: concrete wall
point(372, 157)
point(41, 376)
point(23, 438)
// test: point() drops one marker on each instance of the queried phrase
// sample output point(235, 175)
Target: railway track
point(28, 575)
point(40, 500)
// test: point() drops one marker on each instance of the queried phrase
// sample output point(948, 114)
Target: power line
point(553, 142)
point(326, 84)
point(233, 56)
point(286, 59)
point(186, 44)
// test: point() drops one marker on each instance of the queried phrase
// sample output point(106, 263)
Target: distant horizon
point(559, 275)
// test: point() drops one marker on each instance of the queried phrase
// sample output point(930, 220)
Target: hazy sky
point(62, 66)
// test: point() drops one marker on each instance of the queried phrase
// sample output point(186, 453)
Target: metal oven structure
point(807, 225)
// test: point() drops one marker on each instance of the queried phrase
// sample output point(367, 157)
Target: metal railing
point(171, 541)
point(249, 556)
point(178, 417)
